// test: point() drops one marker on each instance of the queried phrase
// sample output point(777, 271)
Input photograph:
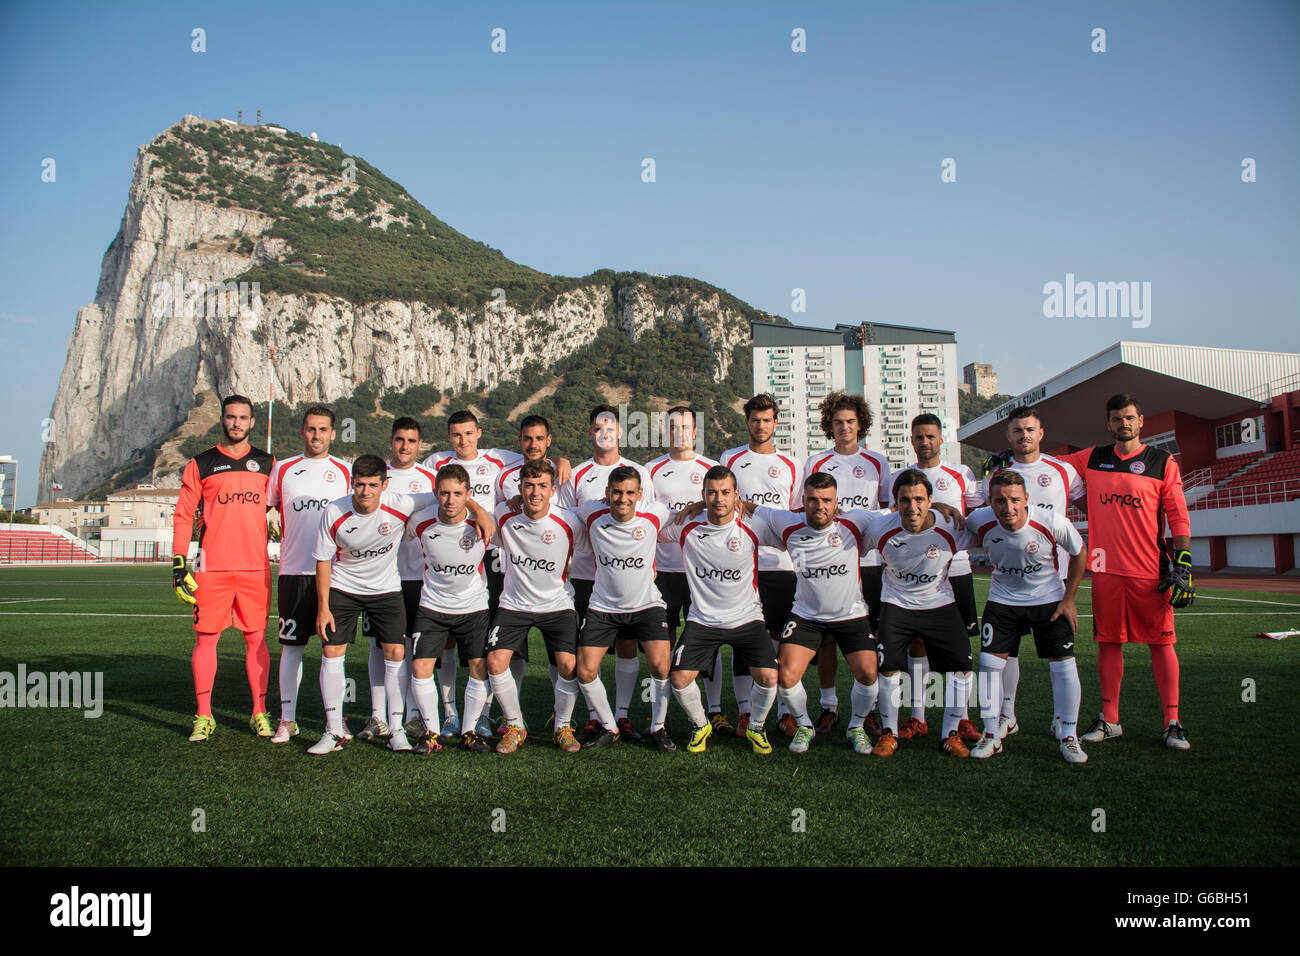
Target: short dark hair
point(532, 421)
point(461, 417)
point(1116, 402)
point(1007, 477)
point(406, 423)
point(452, 472)
point(369, 466)
point(719, 472)
point(681, 410)
point(841, 402)
point(319, 410)
point(910, 477)
point(928, 418)
point(601, 410)
point(761, 403)
point(536, 469)
point(236, 400)
point(1024, 411)
point(820, 480)
point(623, 473)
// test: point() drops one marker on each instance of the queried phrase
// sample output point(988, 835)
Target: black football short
point(297, 605)
point(510, 629)
point(385, 617)
point(871, 583)
point(1006, 624)
point(496, 578)
point(676, 593)
point(963, 592)
point(850, 636)
point(946, 643)
point(601, 628)
point(699, 645)
point(410, 605)
point(433, 630)
point(581, 596)
point(776, 594)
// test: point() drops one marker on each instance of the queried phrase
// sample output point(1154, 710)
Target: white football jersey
point(507, 483)
point(828, 583)
point(1026, 563)
point(771, 480)
point(452, 558)
point(1051, 483)
point(363, 548)
point(588, 483)
point(916, 565)
point(625, 556)
point(535, 558)
point(677, 484)
point(861, 481)
point(416, 480)
point(955, 486)
point(483, 471)
point(301, 488)
point(722, 571)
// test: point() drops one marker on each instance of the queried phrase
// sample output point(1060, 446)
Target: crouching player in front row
point(1027, 594)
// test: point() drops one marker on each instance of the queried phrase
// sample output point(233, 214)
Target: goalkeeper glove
point(182, 580)
point(997, 461)
point(1176, 578)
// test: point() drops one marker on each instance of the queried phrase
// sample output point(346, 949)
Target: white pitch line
point(31, 600)
point(1204, 596)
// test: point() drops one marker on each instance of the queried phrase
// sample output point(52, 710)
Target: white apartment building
point(799, 367)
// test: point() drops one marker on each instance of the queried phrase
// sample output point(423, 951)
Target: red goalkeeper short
point(1127, 609)
point(221, 595)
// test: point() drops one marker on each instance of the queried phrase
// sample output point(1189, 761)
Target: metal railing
point(1264, 493)
point(44, 548)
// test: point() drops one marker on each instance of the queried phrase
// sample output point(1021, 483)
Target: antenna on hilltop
point(259, 117)
point(239, 117)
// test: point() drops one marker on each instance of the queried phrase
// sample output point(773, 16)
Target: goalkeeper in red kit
point(232, 575)
point(1138, 577)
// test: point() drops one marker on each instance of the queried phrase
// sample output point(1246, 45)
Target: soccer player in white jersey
point(917, 547)
point(300, 488)
point(1024, 542)
point(720, 553)
point(862, 481)
point(404, 477)
point(537, 542)
point(356, 573)
point(765, 476)
point(1051, 484)
point(588, 483)
point(625, 604)
point(955, 486)
point(453, 594)
point(534, 442)
point(678, 479)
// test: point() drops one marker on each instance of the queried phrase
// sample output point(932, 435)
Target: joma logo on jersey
point(910, 577)
point(371, 552)
point(831, 571)
point(718, 574)
point(1128, 501)
point(537, 564)
point(310, 504)
point(243, 497)
point(1026, 570)
point(621, 564)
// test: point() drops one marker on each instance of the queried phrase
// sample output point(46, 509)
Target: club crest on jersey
point(548, 537)
point(774, 472)
point(415, 485)
point(1032, 547)
point(859, 471)
point(932, 551)
point(942, 484)
point(329, 475)
point(639, 534)
point(733, 544)
point(834, 539)
point(385, 527)
point(696, 478)
point(1137, 468)
point(1044, 480)
point(254, 466)
point(482, 469)
point(467, 540)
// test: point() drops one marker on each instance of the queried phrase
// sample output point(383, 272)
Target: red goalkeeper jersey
point(233, 491)
point(1129, 501)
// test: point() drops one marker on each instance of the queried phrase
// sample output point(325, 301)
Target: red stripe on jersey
point(871, 461)
point(653, 519)
point(703, 464)
point(419, 530)
point(736, 457)
point(334, 528)
point(279, 482)
point(655, 470)
point(496, 461)
point(952, 545)
point(785, 535)
point(826, 456)
point(754, 538)
point(961, 485)
point(1051, 542)
point(506, 517)
point(505, 473)
point(1065, 479)
point(347, 472)
point(794, 475)
point(569, 532)
point(853, 529)
point(395, 513)
point(594, 515)
point(428, 474)
point(690, 526)
point(577, 476)
point(983, 531)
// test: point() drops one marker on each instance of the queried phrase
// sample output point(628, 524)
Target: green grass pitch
point(124, 788)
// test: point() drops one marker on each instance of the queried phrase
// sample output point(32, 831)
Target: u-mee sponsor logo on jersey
point(854, 501)
point(310, 504)
point(911, 577)
point(240, 497)
point(830, 571)
point(765, 497)
point(371, 552)
point(454, 568)
point(621, 564)
point(536, 564)
point(480, 490)
point(1026, 570)
point(1127, 501)
point(718, 574)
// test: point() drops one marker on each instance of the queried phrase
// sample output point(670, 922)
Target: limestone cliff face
point(169, 322)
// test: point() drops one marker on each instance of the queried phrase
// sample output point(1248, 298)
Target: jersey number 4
point(492, 638)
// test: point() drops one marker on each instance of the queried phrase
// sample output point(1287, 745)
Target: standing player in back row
point(765, 476)
point(861, 482)
point(1132, 490)
point(232, 573)
point(301, 488)
point(1051, 484)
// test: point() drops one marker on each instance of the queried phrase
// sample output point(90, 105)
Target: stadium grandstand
point(1230, 416)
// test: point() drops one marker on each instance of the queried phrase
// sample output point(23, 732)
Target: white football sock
point(413, 711)
point(331, 693)
point(956, 698)
point(742, 685)
point(918, 671)
point(891, 697)
point(713, 685)
point(626, 670)
point(863, 698)
point(776, 654)
point(290, 679)
point(689, 698)
point(659, 698)
point(566, 695)
point(396, 692)
point(830, 700)
point(425, 692)
point(375, 665)
point(598, 701)
point(447, 682)
point(990, 691)
point(476, 692)
point(504, 686)
point(1066, 694)
point(796, 702)
point(517, 665)
point(1010, 681)
point(761, 700)
point(554, 672)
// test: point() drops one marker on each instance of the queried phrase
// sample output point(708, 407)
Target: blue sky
point(775, 170)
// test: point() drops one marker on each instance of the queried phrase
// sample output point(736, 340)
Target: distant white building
point(799, 367)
